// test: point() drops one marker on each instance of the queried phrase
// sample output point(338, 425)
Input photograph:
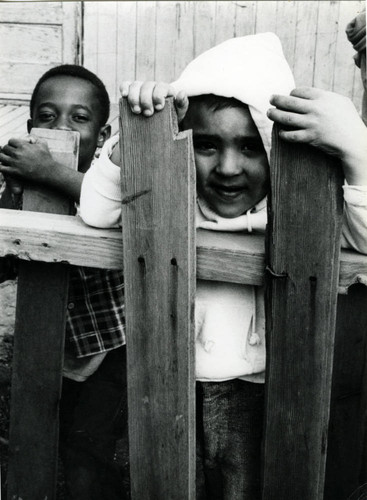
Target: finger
point(8, 152)
point(306, 92)
point(134, 96)
point(182, 105)
point(146, 98)
point(33, 140)
point(301, 136)
point(5, 169)
point(160, 92)
point(290, 103)
point(16, 143)
point(288, 118)
point(124, 88)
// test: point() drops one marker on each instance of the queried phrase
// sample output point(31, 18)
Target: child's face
point(70, 103)
point(231, 163)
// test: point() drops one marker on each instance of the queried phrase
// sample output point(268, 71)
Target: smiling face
point(70, 103)
point(231, 163)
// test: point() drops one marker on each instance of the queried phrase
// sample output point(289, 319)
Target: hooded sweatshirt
point(230, 318)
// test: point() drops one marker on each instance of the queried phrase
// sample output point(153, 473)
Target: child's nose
point(62, 123)
point(229, 164)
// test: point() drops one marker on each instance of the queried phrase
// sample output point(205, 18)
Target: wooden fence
point(316, 380)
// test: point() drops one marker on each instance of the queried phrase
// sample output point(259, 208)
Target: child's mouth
point(229, 192)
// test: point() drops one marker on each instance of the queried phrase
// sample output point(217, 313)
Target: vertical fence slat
point(348, 410)
point(38, 350)
point(303, 261)
point(158, 194)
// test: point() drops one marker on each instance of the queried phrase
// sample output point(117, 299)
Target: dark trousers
point(229, 436)
point(93, 416)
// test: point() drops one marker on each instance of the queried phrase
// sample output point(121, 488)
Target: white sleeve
point(354, 234)
point(100, 198)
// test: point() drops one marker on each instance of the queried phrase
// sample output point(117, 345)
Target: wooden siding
point(34, 37)
point(155, 40)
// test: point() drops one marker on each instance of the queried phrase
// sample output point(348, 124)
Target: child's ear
point(104, 134)
point(29, 125)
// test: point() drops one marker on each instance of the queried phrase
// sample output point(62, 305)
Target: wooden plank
point(126, 41)
point(346, 465)
point(106, 35)
point(235, 258)
point(5, 110)
point(344, 63)
point(145, 40)
point(31, 12)
point(166, 29)
point(18, 79)
point(71, 33)
point(158, 199)
point(90, 37)
point(38, 354)
point(225, 15)
point(304, 50)
point(204, 15)
point(184, 37)
point(266, 16)
point(286, 28)
point(39, 45)
point(245, 18)
point(16, 127)
point(305, 220)
point(64, 239)
point(325, 50)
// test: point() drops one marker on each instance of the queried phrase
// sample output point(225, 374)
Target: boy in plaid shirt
point(93, 405)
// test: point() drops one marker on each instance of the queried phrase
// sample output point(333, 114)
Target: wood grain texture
point(38, 355)
point(156, 40)
point(236, 258)
point(346, 465)
point(305, 218)
point(158, 196)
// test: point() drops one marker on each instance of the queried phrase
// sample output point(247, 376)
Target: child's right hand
point(27, 159)
point(148, 97)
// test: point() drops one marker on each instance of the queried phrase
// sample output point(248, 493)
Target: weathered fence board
point(158, 199)
point(303, 259)
point(38, 351)
point(346, 465)
point(236, 258)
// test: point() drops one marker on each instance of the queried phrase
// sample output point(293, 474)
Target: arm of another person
point(100, 199)
point(100, 202)
point(330, 122)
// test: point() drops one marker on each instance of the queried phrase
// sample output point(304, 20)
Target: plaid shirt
point(95, 311)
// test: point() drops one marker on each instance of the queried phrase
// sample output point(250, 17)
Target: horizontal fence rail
point(235, 258)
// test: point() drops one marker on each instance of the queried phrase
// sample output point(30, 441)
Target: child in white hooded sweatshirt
point(230, 89)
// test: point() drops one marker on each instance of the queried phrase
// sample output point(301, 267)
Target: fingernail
point(136, 109)
point(158, 106)
point(147, 112)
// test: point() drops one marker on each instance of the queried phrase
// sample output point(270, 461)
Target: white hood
point(249, 68)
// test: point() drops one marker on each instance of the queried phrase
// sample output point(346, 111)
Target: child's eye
point(46, 116)
point(81, 118)
point(204, 146)
point(252, 147)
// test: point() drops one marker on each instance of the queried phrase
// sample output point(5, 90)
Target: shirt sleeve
point(100, 199)
point(354, 234)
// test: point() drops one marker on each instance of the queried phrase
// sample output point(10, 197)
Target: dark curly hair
point(84, 74)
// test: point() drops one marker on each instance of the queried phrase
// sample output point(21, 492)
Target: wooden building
point(126, 40)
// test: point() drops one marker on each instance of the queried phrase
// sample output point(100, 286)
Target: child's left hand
point(327, 121)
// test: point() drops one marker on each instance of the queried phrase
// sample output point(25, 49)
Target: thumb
point(181, 104)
